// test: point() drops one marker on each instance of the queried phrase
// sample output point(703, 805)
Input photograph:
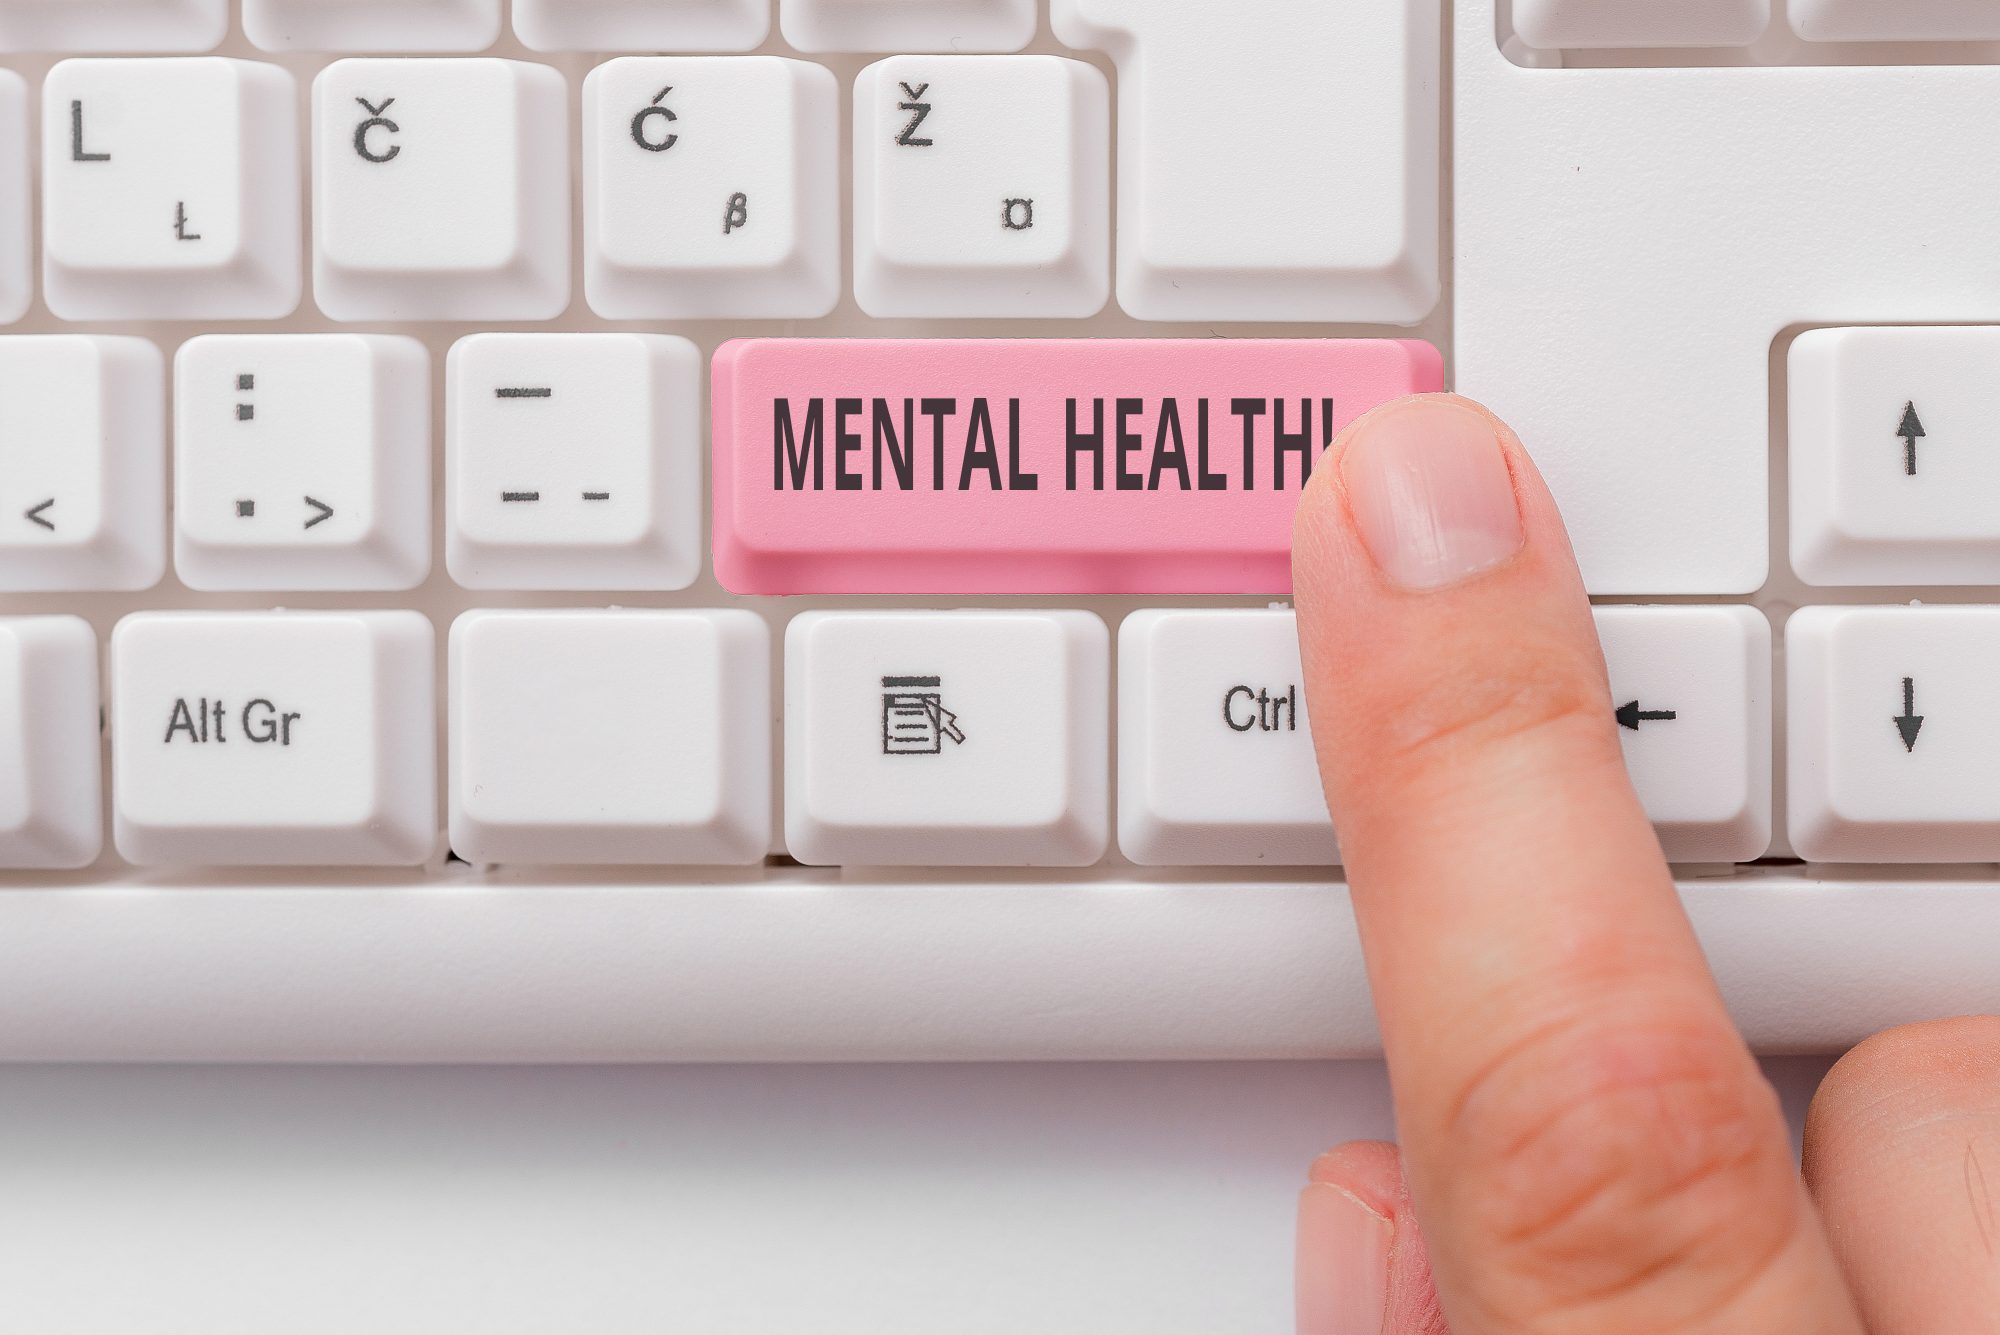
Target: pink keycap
point(1030, 466)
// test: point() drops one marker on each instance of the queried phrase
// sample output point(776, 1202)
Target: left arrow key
point(39, 515)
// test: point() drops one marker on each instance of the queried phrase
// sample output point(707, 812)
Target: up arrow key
point(1911, 431)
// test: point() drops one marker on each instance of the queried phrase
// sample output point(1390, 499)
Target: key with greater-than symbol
point(302, 461)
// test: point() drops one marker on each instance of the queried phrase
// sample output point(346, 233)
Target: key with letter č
point(441, 190)
point(1030, 465)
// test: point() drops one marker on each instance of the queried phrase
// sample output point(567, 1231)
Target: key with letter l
point(1276, 167)
point(170, 190)
point(1030, 465)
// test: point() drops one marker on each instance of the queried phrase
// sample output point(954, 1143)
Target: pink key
point(1030, 466)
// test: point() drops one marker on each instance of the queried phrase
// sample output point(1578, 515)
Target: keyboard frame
point(455, 963)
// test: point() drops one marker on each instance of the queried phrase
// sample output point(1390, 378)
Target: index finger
point(1587, 1138)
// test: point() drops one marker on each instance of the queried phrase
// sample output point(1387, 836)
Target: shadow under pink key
point(1031, 466)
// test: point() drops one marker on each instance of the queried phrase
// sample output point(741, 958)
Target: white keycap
point(372, 25)
point(1893, 725)
point(1691, 687)
point(274, 739)
point(51, 794)
point(302, 461)
point(1892, 459)
point(1215, 757)
point(1555, 24)
point(982, 187)
point(573, 461)
point(611, 737)
point(441, 190)
point(112, 25)
point(907, 25)
point(711, 188)
point(1896, 20)
point(642, 25)
point(1281, 165)
point(82, 463)
point(947, 738)
point(170, 190)
point(17, 286)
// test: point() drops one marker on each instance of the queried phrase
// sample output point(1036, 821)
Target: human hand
point(1586, 1143)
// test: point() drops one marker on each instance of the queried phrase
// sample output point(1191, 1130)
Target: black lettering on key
point(656, 138)
point(181, 232)
point(737, 214)
point(1017, 215)
point(76, 151)
point(920, 112)
point(378, 120)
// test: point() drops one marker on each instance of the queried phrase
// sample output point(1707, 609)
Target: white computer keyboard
point(515, 546)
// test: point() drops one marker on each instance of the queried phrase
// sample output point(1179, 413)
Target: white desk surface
point(1063, 1200)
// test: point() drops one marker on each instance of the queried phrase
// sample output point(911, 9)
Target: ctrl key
point(274, 739)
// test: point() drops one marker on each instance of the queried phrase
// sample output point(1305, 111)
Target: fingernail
point(1343, 1280)
point(1430, 491)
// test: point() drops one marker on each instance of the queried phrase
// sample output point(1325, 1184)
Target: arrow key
point(1894, 731)
point(1691, 692)
point(1893, 460)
